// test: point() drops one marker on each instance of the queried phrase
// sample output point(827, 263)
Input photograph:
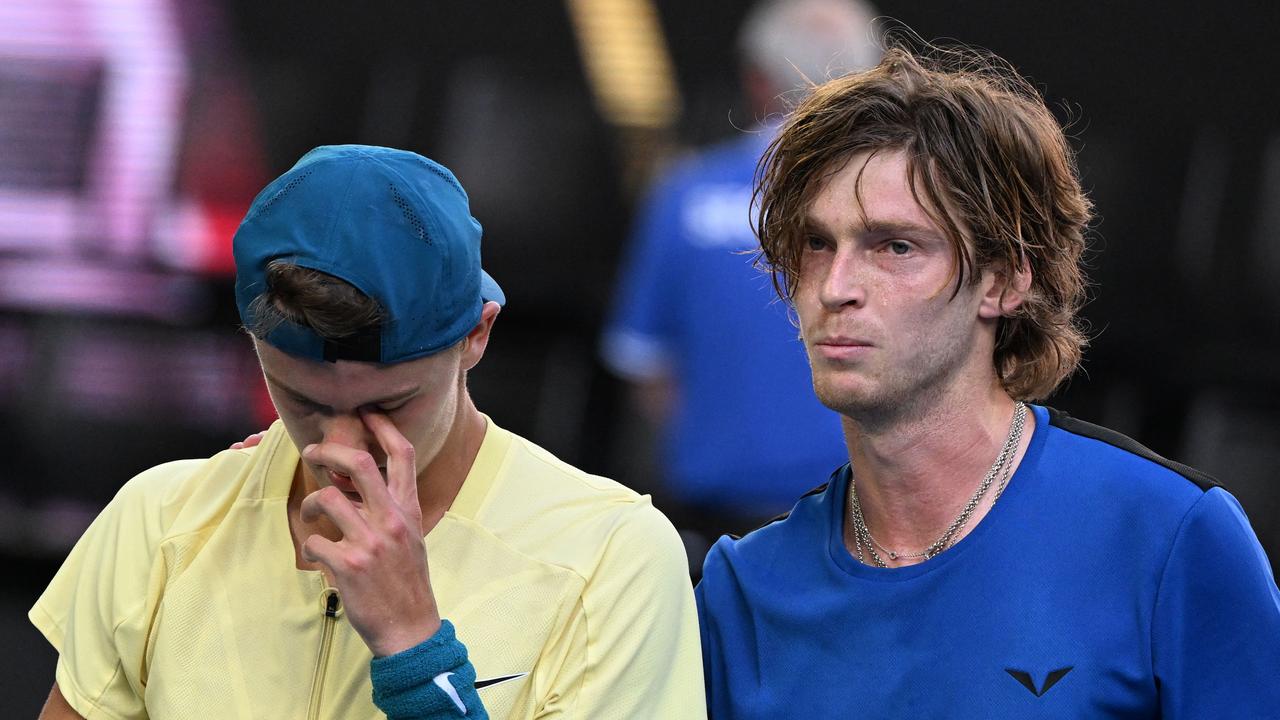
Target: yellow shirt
point(183, 600)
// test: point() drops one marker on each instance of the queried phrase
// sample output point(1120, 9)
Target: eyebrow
point(390, 399)
point(882, 226)
point(877, 225)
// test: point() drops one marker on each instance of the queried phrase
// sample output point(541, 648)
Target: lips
point(342, 482)
point(345, 483)
point(842, 349)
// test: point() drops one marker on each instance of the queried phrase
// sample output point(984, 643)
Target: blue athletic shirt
point(747, 433)
point(1107, 582)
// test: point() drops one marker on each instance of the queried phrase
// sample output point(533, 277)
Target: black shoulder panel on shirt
point(1059, 419)
point(816, 491)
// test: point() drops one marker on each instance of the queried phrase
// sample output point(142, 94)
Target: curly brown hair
point(980, 143)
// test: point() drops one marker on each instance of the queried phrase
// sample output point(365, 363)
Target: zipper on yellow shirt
point(331, 605)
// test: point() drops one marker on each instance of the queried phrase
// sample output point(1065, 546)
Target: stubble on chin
point(881, 400)
point(862, 403)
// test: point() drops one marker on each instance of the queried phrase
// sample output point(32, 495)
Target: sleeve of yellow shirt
point(98, 608)
point(632, 648)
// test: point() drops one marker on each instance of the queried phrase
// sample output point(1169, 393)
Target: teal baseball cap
point(392, 223)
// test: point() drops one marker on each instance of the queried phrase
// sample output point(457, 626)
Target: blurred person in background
point(711, 356)
point(979, 556)
point(293, 576)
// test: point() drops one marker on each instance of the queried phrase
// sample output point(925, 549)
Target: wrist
point(407, 636)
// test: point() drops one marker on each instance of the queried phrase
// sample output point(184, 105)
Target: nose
point(844, 283)
point(349, 430)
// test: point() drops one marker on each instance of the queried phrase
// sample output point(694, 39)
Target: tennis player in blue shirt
point(980, 556)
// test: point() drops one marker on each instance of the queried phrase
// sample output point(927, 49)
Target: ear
point(477, 340)
point(1004, 293)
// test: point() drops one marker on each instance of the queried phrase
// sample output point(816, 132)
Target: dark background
point(1172, 107)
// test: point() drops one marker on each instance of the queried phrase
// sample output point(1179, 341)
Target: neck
point(914, 473)
point(440, 481)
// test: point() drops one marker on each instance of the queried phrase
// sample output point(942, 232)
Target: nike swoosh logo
point(498, 680)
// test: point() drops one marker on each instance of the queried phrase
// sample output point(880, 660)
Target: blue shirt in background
point(747, 433)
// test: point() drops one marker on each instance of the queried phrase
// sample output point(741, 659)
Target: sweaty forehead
point(869, 193)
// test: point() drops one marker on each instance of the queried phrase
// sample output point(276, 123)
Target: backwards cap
point(392, 223)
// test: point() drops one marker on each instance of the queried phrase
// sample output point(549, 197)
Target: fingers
point(319, 549)
point(402, 466)
point(331, 503)
point(349, 566)
point(251, 441)
point(355, 464)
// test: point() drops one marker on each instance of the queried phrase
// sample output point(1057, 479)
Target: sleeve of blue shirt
point(716, 595)
point(1216, 625)
point(699, 595)
point(639, 332)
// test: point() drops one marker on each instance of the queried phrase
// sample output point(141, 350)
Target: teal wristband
point(430, 680)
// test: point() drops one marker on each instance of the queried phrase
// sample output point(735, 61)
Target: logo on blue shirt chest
point(1024, 678)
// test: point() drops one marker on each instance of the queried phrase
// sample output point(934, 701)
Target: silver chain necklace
point(1004, 461)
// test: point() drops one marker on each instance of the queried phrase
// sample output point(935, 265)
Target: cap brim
point(489, 290)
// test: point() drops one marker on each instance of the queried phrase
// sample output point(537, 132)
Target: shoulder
point(113, 568)
point(160, 495)
point(1106, 488)
point(1217, 615)
point(1115, 447)
point(185, 496)
point(1217, 521)
point(561, 482)
point(1119, 465)
point(731, 160)
point(730, 156)
point(566, 516)
point(785, 545)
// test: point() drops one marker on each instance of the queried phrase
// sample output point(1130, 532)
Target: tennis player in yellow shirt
point(292, 579)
